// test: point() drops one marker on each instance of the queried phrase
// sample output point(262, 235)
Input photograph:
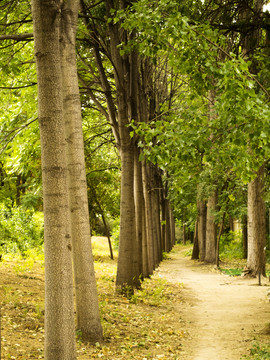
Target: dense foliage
point(193, 150)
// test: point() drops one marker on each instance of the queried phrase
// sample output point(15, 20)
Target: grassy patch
point(259, 352)
point(232, 272)
point(146, 326)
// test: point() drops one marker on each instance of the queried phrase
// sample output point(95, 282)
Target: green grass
point(232, 272)
point(259, 352)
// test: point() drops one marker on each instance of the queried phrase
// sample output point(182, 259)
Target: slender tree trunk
point(87, 311)
point(106, 227)
point(184, 234)
point(172, 224)
point(163, 220)
point(149, 224)
point(158, 226)
point(107, 231)
point(202, 217)
point(155, 213)
point(211, 230)
point(125, 268)
point(256, 226)
point(139, 207)
point(145, 260)
point(231, 223)
point(256, 205)
point(124, 70)
point(59, 310)
point(166, 221)
point(218, 238)
point(184, 231)
point(196, 250)
point(168, 235)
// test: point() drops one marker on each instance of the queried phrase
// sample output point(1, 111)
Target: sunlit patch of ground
point(147, 326)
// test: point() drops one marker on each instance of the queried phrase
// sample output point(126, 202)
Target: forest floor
point(186, 311)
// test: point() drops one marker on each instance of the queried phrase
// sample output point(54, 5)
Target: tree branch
point(17, 37)
point(17, 87)
point(17, 131)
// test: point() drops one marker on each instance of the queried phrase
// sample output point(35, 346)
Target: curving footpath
point(222, 314)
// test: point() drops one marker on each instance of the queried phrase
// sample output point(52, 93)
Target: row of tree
point(221, 123)
point(184, 88)
point(67, 231)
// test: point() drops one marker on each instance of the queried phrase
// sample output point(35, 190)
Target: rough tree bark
point(148, 217)
point(140, 213)
point(195, 250)
point(211, 230)
point(256, 207)
point(256, 226)
point(202, 215)
point(59, 310)
point(87, 311)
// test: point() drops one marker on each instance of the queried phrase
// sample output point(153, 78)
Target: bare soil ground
point(223, 314)
point(186, 311)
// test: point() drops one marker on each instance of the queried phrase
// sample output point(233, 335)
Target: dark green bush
point(20, 229)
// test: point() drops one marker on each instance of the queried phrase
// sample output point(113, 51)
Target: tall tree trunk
point(155, 213)
point(256, 206)
point(125, 268)
point(163, 219)
point(211, 230)
point(106, 227)
point(87, 311)
point(256, 226)
point(218, 239)
point(59, 310)
point(184, 230)
point(195, 250)
point(139, 210)
point(145, 260)
point(168, 235)
point(202, 217)
point(172, 224)
point(124, 70)
point(158, 226)
point(149, 222)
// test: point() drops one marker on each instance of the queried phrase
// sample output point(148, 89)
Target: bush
point(259, 352)
point(116, 232)
point(20, 229)
point(231, 245)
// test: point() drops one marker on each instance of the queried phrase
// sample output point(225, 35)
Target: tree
point(211, 230)
point(20, 158)
point(129, 92)
point(256, 205)
point(72, 161)
point(59, 318)
point(229, 139)
point(202, 216)
point(256, 226)
point(88, 319)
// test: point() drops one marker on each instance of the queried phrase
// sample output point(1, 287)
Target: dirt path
point(222, 314)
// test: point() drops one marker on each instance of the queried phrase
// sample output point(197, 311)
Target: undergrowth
point(146, 326)
point(259, 352)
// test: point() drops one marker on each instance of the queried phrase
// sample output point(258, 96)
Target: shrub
point(231, 245)
point(20, 229)
point(116, 232)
